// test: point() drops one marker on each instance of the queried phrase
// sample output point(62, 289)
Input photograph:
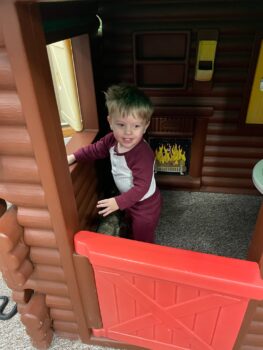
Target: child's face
point(128, 131)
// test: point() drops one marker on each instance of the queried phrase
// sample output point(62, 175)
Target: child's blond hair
point(127, 100)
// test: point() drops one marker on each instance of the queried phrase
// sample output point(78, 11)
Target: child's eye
point(120, 124)
point(137, 126)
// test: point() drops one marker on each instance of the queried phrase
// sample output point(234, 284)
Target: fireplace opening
point(172, 155)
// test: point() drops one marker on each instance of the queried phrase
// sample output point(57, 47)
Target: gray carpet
point(216, 223)
point(207, 222)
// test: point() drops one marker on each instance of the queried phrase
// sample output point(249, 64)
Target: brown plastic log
point(16, 257)
point(15, 141)
point(11, 282)
point(47, 287)
point(11, 111)
point(225, 162)
point(40, 238)
point(34, 218)
point(224, 172)
point(19, 169)
point(7, 81)
point(23, 296)
point(227, 182)
point(63, 326)
point(22, 274)
point(68, 335)
point(239, 152)
point(58, 301)
point(28, 195)
point(10, 231)
point(48, 272)
point(44, 343)
point(36, 312)
point(35, 316)
point(41, 333)
point(47, 256)
point(62, 315)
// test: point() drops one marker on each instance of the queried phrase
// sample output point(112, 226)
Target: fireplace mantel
point(183, 122)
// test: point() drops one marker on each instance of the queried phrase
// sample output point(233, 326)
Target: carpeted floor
point(215, 223)
point(207, 222)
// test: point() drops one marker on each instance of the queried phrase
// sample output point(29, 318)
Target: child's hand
point(71, 159)
point(110, 205)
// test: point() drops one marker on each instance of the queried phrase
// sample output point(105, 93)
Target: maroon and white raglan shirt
point(133, 171)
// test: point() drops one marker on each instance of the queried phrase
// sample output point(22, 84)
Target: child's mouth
point(127, 140)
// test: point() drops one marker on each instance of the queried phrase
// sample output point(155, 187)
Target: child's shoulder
point(142, 151)
point(145, 145)
point(109, 139)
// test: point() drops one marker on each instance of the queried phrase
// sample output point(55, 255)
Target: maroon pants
point(144, 217)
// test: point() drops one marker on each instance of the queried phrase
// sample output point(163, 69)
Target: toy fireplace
point(177, 136)
point(172, 155)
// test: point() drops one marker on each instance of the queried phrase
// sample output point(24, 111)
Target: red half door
point(163, 298)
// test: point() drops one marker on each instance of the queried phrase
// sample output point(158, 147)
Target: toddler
point(132, 160)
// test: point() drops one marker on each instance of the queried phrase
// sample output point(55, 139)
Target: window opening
point(65, 86)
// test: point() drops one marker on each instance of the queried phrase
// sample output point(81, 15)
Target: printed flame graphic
point(173, 155)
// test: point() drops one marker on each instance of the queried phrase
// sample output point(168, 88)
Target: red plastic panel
point(167, 298)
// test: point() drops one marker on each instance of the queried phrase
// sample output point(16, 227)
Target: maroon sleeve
point(141, 162)
point(97, 150)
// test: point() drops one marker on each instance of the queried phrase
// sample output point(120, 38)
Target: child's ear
point(146, 127)
point(109, 121)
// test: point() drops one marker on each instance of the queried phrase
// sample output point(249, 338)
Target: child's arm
point(110, 205)
point(71, 159)
point(97, 150)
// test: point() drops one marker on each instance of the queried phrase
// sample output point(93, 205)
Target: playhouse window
point(255, 106)
point(65, 85)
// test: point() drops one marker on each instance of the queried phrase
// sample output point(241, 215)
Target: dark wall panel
point(230, 153)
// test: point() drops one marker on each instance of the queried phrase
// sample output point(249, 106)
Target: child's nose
point(128, 129)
